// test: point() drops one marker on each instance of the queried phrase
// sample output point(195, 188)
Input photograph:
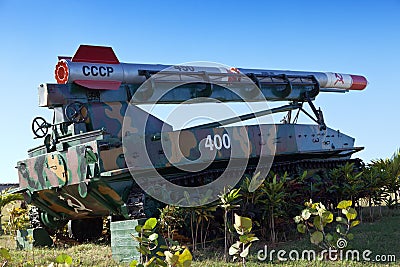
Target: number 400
point(218, 142)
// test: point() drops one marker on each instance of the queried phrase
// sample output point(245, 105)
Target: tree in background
point(389, 171)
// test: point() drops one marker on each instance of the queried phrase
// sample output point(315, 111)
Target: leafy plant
point(174, 256)
point(228, 200)
point(5, 198)
point(315, 219)
point(241, 248)
point(178, 259)
point(350, 182)
point(274, 198)
point(251, 195)
point(64, 259)
point(389, 171)
point(373, 186)
point(148, 241)
point(200, 218)
point(171, 218)
point(19, 220)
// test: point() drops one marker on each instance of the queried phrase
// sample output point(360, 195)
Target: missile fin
point(95, 54)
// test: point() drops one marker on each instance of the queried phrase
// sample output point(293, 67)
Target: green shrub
point(315, 220)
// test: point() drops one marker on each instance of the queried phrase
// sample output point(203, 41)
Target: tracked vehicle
point(99, 139)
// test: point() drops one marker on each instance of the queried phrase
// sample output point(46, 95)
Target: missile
point(97, 67)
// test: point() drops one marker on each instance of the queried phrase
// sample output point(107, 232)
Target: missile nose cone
point(359, 82)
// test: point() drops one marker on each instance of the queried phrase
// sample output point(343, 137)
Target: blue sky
point(358, 37)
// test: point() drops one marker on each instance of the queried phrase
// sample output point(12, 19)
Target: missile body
point(97, 67)
point(325, 79)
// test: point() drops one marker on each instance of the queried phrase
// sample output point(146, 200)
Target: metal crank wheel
point(76, 112)
point(40, 127)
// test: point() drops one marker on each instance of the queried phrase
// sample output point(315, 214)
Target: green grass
point(382, 237)
point(82, 255)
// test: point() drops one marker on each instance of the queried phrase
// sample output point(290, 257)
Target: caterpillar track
point(136, 200)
